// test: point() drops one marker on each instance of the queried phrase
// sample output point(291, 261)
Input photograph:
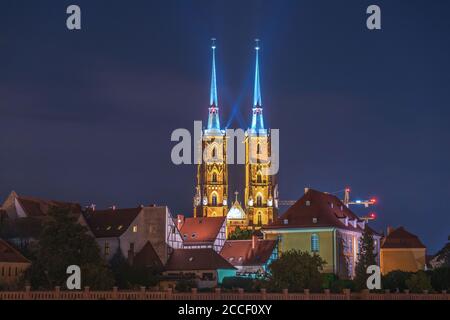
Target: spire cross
point(236, 195)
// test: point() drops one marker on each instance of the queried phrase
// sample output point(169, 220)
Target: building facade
point(320, 223)
point(211, 194)
point(260, 186)
point(402, 250)
point(12, 264)
point(128, 231)
point(261, 192)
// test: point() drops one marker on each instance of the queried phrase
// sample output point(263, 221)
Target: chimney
point(389, 230)
point(93, 207)
point(180, 221)
point(306, 190)
point(254, 241)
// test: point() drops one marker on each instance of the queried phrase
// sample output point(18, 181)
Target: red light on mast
point(373, 215)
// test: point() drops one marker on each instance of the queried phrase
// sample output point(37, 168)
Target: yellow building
point(320, 223)
point(12, 264)
point(211, 197)
point(402, 250)
point(261, 196)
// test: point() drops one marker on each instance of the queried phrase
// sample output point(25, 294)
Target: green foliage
point(62, 243)
point(418, 282)
point(366, 258)
point(395, 280)
point(185, 285)
point(440, 279)
point(248, 284)
point(129, 277)
point(336, 285)
point(239, 234)
point(296, 270)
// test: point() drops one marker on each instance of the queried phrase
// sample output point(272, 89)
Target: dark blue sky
point(87, 116)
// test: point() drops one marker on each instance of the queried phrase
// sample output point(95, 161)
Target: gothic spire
point(257, 117)
point(213, 117)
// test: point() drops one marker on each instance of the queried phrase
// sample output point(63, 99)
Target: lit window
point(214, 177)
point(259, 201)
point(106, 249)
point(214, 200)
point(135, 229)
point(314, 243)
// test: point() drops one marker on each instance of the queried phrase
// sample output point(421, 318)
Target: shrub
point(248, 284)
point(440, 279)
point(396, 280)
point(419, 282)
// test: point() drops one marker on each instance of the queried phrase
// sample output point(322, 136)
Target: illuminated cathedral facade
point(211, 198)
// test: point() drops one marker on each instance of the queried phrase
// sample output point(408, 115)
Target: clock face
point(107, 105)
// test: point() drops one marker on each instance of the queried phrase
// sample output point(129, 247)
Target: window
point(106, 249)
point(259, 219)
point(314, 243)
point(214, 200)
point(258, 178)
point(214, 177)
point(258, 148)
point(259, 201)
point(134, 229)
point(214, 152)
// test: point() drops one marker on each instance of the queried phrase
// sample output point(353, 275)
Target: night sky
point(87, 115)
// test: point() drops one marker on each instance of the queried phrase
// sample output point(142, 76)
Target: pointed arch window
point(259, 218)
point(258, 148)
point(315, 242)
point(259, 200)
point(214, 152)
point(214, 200)
point(259, 178)
point(214, 177)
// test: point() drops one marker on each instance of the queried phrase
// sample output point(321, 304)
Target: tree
point(396, 280)
point(64, 242)
point(366, 258)
point(296, 270)
point(240, 234)
point(419, 282)
point(128, 277)
point(440, 279)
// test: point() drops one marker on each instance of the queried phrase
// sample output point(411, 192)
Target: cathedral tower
point(211, 195)
point(260, 188)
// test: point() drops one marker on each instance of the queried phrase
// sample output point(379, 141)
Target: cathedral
point(260, 203)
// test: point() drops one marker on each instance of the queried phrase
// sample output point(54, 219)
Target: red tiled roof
point(324, 211)
point(35, 207)
point(400, 238)
point(196, 259)
point(147, 257)
point(195, 230)
point(240, 252)
point(110, 223)
point(9, 254)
